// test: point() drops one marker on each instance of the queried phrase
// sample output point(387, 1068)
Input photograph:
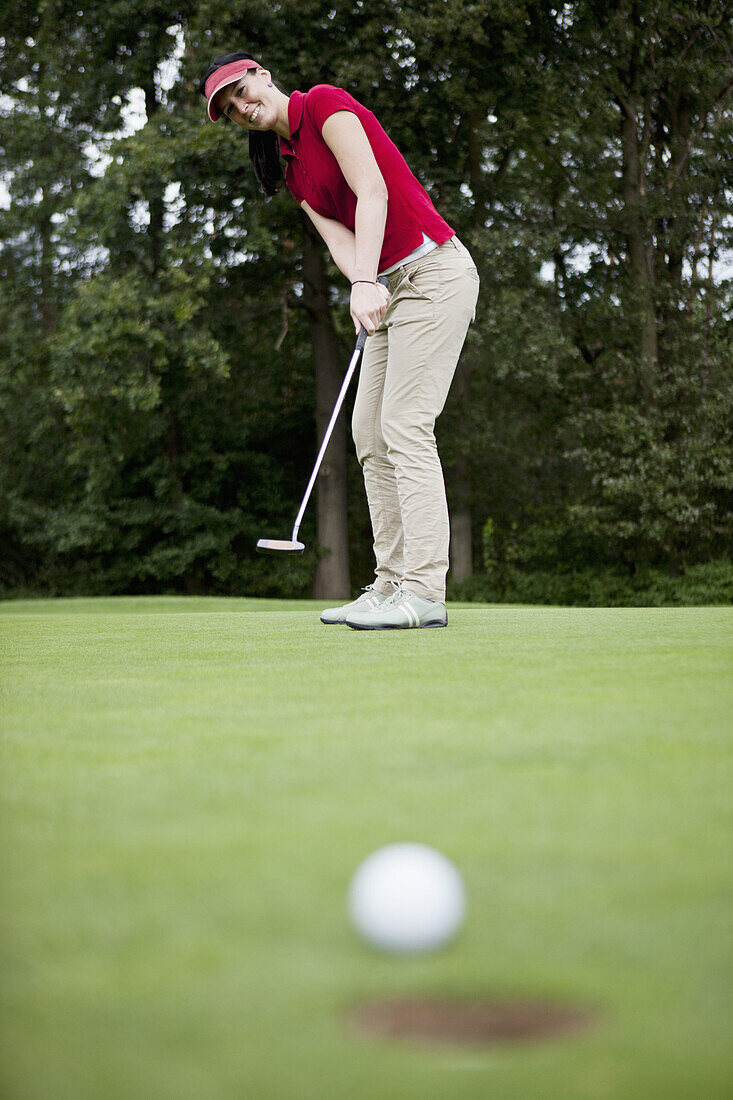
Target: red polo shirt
point(313, 174)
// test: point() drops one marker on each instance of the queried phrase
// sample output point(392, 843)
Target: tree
point(171, 342)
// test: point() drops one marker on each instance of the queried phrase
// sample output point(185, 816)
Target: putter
point(276, 546)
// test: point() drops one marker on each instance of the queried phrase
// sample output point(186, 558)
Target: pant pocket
point(420, 287)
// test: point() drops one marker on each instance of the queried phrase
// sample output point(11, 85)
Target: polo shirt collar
point(296, 105)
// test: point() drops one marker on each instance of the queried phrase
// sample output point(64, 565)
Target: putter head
point(275, 546)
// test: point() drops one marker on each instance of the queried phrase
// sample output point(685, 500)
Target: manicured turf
point(188, 785)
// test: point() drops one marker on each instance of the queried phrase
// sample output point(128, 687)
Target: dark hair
point(264, 148)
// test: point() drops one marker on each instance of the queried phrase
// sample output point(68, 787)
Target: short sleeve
point(325, 100)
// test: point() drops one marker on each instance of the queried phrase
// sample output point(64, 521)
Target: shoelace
point(397, 596)
point(367, 593)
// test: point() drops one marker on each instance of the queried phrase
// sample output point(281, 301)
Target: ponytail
point(264, 152)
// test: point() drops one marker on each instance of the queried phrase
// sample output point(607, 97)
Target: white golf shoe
point(368, 601)
point(400, 611)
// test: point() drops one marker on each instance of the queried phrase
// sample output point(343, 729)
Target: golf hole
point(444, 1020)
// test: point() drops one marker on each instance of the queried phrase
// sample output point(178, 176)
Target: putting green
point(188, 785)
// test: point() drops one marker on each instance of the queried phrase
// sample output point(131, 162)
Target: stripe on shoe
point(413, 618)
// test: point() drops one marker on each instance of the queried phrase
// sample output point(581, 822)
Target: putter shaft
point(276, 544)
point(329, 430)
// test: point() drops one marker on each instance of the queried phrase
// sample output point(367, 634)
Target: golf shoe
point(368, 600)
point(402, 610)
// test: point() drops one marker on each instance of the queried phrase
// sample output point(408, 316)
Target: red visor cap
point(227, 74)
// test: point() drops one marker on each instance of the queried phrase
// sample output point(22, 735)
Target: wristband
point(372, 282)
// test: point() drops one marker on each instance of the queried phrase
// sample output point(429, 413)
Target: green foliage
point(707, 583)
point(156, 383)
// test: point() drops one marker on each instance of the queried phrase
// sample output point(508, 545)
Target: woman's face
point(249, 101)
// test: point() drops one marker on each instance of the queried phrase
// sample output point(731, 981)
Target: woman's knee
point(409, 438)
point(367, 438)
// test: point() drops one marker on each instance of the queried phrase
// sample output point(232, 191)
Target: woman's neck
point(282, 125)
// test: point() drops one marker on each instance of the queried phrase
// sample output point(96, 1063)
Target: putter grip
point(362, 337)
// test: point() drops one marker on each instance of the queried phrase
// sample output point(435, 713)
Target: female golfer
point(376, 219)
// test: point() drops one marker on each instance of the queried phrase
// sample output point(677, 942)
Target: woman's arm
point(345, 137)
point(344, 134)
point(340, 241)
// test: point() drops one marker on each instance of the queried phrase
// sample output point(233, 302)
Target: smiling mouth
point(256, 113)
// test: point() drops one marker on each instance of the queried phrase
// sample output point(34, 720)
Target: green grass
point(188, 785)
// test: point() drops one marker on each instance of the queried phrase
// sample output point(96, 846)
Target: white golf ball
point(407, 898)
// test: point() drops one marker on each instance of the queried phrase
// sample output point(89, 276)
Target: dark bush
point(707, 583)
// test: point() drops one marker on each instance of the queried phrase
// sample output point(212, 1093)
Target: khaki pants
point(406, 372)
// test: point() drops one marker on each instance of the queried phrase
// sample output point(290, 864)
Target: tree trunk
point(641, 265)
point(48, 302)
point(45, 228)
point(461, 495)
point(332, 579)
point(461, 482)
point(461, 526)
point(155, 239)
point(155, 192)
point(711, 274)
